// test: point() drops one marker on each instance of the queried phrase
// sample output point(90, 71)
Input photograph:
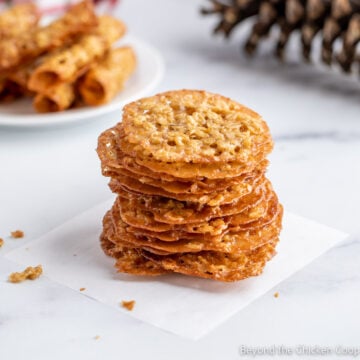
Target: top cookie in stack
point(189, 171)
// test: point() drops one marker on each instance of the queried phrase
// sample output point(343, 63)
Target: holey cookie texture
point(193, 127)
point(188, 168)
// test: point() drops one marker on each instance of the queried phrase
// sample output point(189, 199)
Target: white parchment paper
point(186, 306)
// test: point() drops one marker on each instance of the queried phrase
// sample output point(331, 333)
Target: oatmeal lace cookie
point(189, 171)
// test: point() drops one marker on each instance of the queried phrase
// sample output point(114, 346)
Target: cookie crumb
point(97, 337)
point(276, 295)
point(30, 273)
point(82, 289)
point(128, 305)
point(1, 242)
point(17, 234)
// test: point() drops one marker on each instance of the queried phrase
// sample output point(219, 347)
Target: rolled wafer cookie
point(18, 19)
point(21, 75)
point(79, 19)
point(56, 98)
point(10, 91)
point(2, 83)
point(106, 78)
point(67, 65)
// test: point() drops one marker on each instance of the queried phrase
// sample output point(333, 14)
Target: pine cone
point(334, 19)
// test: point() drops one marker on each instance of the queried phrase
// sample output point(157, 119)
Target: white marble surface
point(48, 176)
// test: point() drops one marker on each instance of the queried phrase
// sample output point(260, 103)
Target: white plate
point(149, 72)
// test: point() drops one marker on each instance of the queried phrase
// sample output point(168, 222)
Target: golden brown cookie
point(198, 233)
point(173, 211)
point(129, 163)
point(188, 168)
point(233, 241)
point(208, 264)
point(143, 217)
point(128, 260)
point(217, 265)
point(145, 220)
point(112, 157)
point(187, 187)
point(191, 126)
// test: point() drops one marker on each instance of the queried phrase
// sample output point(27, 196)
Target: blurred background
point(313, 112)
point(49, 175)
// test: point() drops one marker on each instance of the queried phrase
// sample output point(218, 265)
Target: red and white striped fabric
point(56, 7)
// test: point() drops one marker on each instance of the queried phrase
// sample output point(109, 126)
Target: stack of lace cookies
point(188, 168)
